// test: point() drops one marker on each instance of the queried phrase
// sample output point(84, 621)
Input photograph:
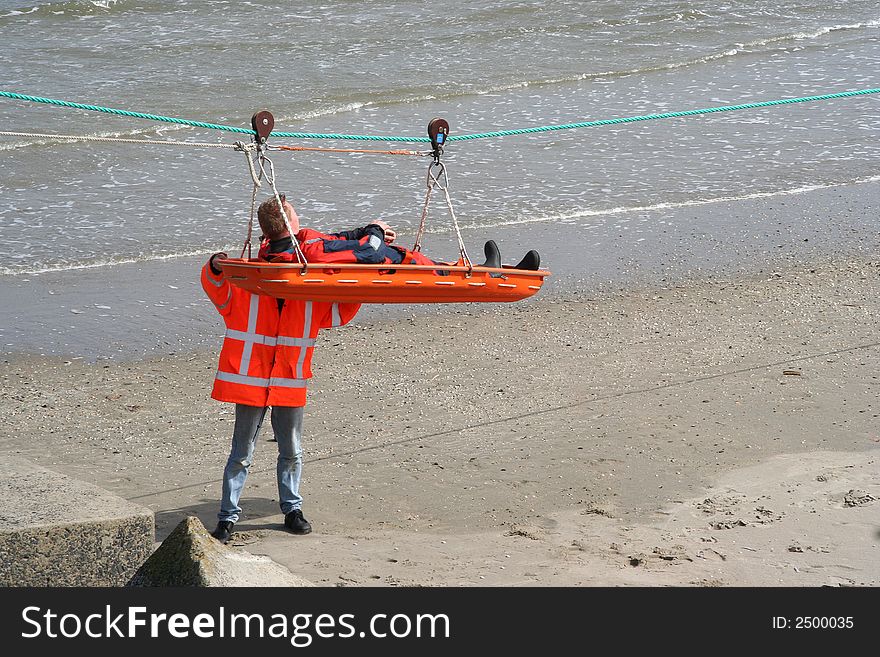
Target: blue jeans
point(287, 426)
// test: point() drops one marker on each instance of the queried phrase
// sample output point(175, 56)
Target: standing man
point(264, 364)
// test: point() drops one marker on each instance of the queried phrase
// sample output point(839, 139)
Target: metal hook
point(434, 179)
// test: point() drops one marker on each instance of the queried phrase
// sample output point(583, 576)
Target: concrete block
point(59, 531)
point(191, 557)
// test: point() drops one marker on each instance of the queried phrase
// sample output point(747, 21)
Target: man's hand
point(211, 264)
point(390, 235)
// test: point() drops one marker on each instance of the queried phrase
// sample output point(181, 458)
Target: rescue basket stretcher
point(382, 283)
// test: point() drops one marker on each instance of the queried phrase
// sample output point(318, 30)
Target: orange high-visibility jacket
point(346, 247)
point(267, 354)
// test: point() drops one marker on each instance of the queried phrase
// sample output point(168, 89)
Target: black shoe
point(224, 531)
point(493, 255)
point(531, 261)
point(296, 523)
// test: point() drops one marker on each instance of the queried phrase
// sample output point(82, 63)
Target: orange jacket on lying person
point(267, 351)
point(368, 245)
point(365, 245)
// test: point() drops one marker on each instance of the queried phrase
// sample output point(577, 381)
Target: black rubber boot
point(493, 255)
point(531, 261)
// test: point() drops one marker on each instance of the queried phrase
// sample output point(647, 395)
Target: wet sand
point(713, 432)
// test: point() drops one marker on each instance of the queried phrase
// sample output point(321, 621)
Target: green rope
point(481, 135)
point(137, 115)
point(666, 115)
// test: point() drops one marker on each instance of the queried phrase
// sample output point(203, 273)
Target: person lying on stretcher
point(372, 244)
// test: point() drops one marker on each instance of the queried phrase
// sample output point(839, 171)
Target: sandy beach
point(713, 432)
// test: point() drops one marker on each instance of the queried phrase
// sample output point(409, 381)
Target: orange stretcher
point(382, 283)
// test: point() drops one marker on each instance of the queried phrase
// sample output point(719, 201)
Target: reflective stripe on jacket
point(267, 354)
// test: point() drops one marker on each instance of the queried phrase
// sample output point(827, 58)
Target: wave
point(734, 50)
point(490, 25)
point(112, 262)
point(328, 111)
point(66, 7)
point(815, 34)
point(580, 214)
point(555, 218)
point(419, 94)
